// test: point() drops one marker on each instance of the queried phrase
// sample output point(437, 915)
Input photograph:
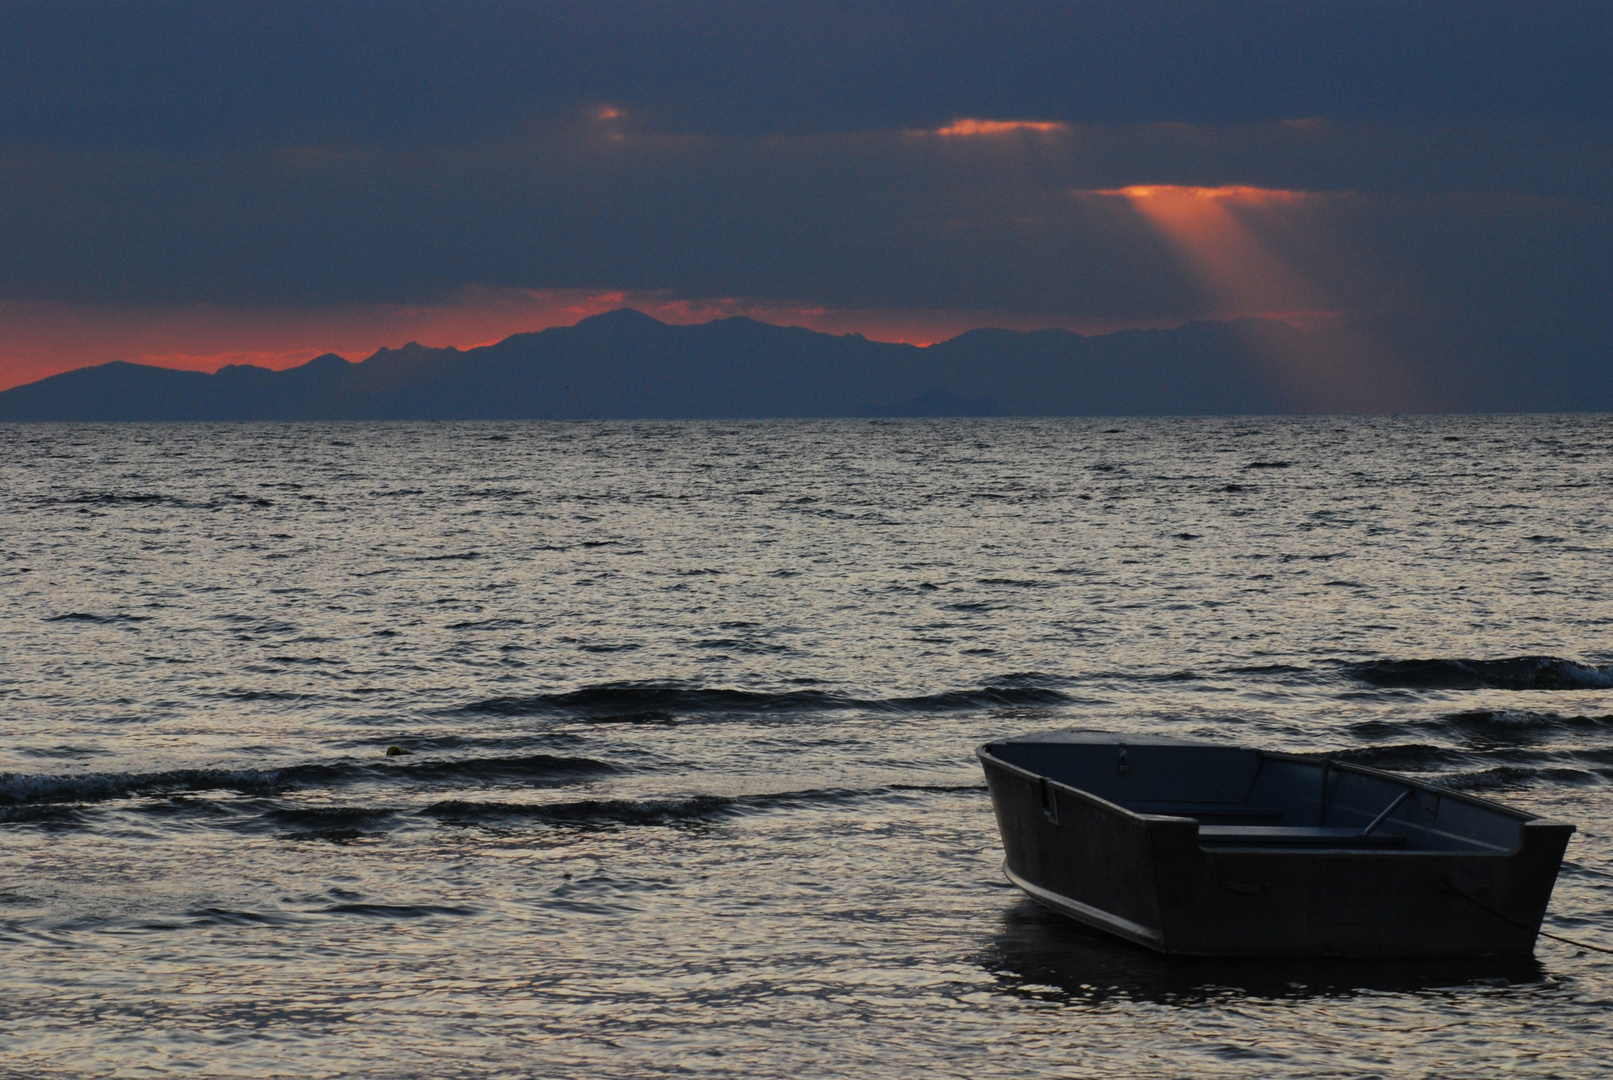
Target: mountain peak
point(620, 317)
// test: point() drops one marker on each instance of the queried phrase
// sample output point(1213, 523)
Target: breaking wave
point(664, 700)
point(1516, 673)
point(1414, 757)
point(596, 812)
point(691, 810)
point(19, 789)
point(1505, 777)
point(1488, 725)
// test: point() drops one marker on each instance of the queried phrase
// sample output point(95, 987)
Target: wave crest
point(1515, 673)
point(21, 789)
point(660, 701)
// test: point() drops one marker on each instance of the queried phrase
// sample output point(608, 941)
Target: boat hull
point(1150, 880)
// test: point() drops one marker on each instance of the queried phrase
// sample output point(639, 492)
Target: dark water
point(690, 711)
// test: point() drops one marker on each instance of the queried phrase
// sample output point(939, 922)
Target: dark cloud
point(165, 74)
point(894, 218)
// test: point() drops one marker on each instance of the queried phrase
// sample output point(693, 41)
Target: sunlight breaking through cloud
point(1220, 235)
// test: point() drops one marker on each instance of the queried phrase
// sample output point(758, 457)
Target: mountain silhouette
point(625, 364)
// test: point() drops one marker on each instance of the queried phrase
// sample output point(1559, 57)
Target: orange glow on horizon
point(966, 127)
point(39, 340)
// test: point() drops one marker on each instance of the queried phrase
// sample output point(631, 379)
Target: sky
point(194, 184)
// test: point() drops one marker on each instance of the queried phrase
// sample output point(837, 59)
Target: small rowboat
point(1199, 849)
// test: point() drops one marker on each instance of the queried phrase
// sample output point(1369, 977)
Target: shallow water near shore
point(689, 712)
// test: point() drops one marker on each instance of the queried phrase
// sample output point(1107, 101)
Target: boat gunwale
point(1524, 817)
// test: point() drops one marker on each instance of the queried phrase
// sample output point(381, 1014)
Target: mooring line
point(1451, 886)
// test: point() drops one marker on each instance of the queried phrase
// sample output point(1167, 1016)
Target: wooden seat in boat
point(1293, 836)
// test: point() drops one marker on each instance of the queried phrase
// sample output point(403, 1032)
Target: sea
point(644, 749)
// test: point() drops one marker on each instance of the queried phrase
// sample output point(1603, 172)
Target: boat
point(1201, 849)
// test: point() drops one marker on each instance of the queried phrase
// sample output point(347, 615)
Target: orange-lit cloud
point(1163, 194)
point(1220, 234)
point(38, 340)
point(963, 127)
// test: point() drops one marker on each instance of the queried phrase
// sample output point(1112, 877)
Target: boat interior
point(1245, 798)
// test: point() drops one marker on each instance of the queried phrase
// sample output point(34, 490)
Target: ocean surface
point(689, 711)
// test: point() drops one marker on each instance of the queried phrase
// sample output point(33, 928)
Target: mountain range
point(625, 364)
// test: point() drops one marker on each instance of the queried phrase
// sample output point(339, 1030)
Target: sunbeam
point(1331, 366)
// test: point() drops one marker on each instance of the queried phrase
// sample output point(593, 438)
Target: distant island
point(625, 364)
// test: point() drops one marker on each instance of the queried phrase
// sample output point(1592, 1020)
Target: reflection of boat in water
point(1199, 849)
point(1038, 954)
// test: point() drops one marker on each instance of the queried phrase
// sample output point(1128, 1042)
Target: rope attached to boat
point(1450, 886)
